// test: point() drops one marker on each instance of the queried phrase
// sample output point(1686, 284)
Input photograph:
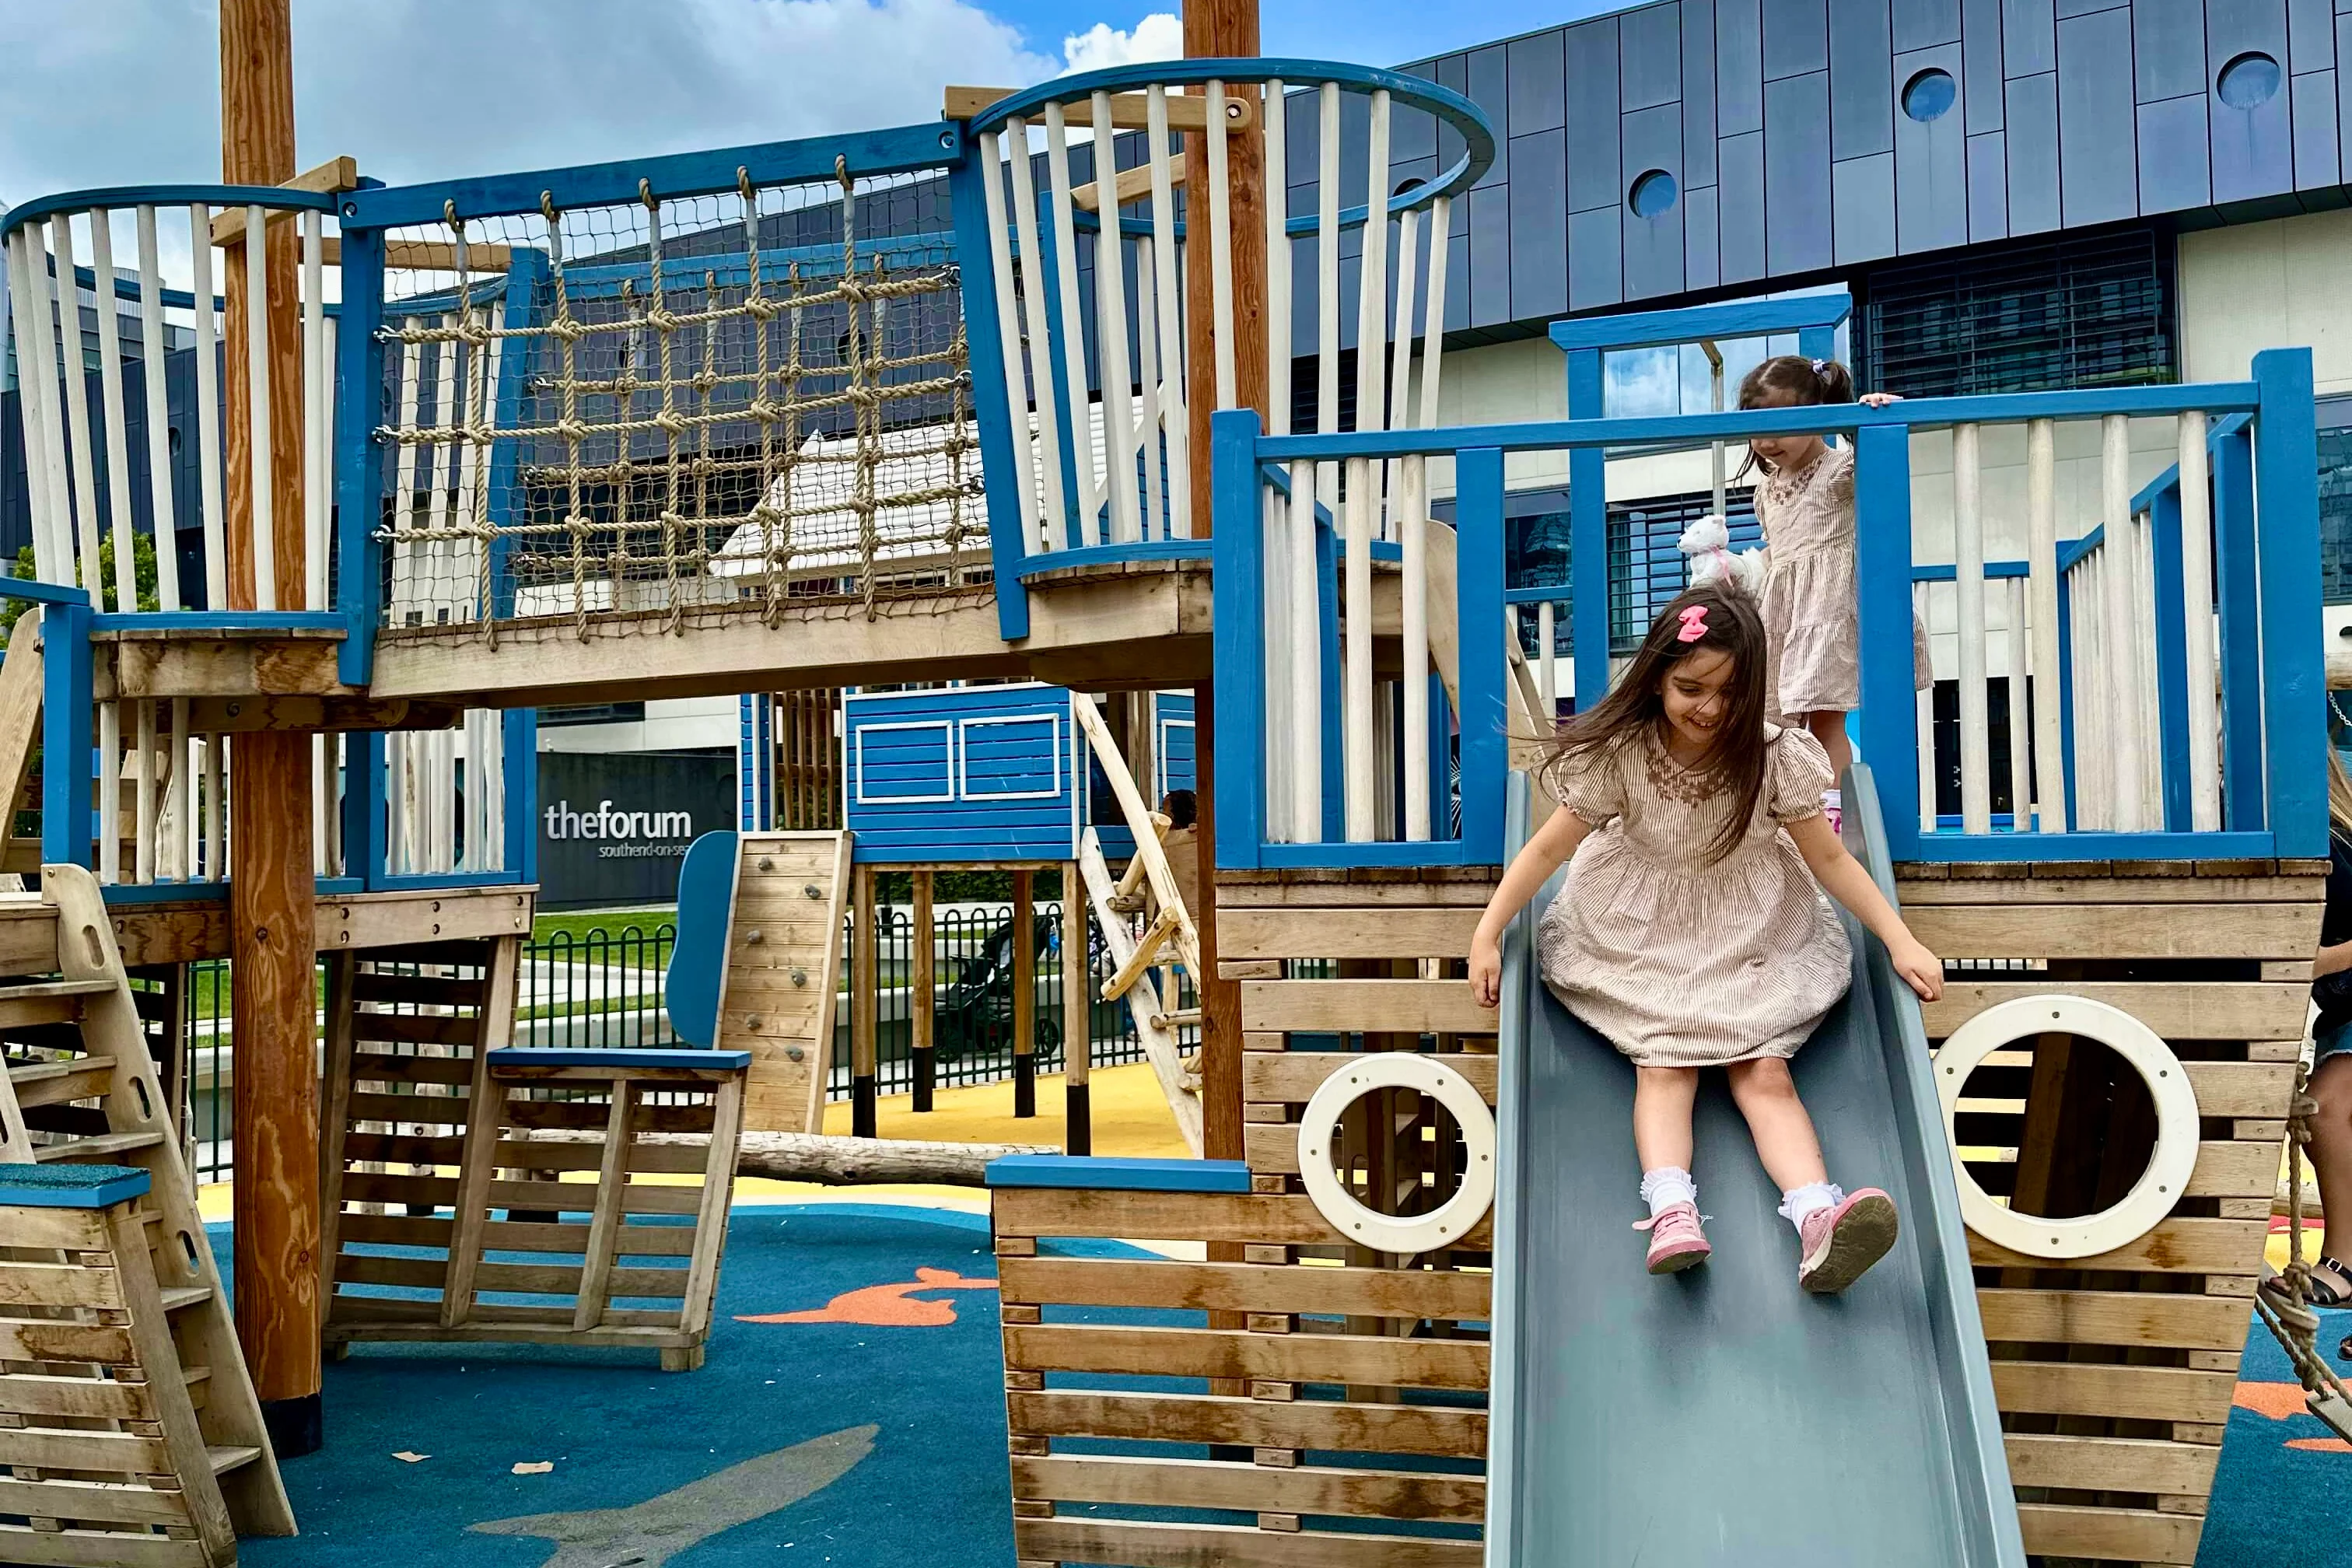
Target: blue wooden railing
point(2266, 553)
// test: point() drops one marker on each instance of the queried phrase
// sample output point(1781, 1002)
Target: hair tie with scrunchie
point(1820, 365)
point(1693, 619)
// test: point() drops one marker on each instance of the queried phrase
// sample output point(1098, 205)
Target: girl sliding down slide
point(1690, 933)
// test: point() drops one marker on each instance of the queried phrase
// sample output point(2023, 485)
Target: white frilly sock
point(1799, 1204)
point(1667, 1186)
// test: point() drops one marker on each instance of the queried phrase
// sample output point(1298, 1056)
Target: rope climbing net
point(649, 411)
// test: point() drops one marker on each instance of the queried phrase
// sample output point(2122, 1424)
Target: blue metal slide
point(1721, 1415)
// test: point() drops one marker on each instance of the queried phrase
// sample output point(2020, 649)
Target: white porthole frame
point(2160, 1188)
point(1319, 1132)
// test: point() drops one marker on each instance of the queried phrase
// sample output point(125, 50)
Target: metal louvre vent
point(2069, 311)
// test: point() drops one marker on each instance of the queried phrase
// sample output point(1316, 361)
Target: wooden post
point(866, 999)
point(923, 993)
point(1077, 1017)
point(272, 953)
point(1024, 995)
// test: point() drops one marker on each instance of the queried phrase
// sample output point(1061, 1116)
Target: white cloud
point(1158, 36)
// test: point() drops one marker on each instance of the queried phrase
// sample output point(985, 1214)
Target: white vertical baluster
point(118, 440)
point(216, 808)
point(320, 815)
point(493, 786)
point(2099, 766)
point(1221, 250)
point(1149, 416)
point(395, 827)
point(162, 518)
point(208, 433)
point(1401, 366)
point(1548, 660)
point(2197, 604)
point(1110, 330)
point(316, 479)
point(1924, 725)
point(142, 859)
point(2150, 713)
point(2115, 583)
point(1372, 296)
point(1357, 607)
point(2041, 591)
point(45, 452)
point(182, 797)
point(74, 375)
point(1171, 299)
point(2021, 758)
point(1276, 195)
point(1305, 660)
point(1091, 480)
point(1406, 502)
point(259, 423)
point(1432, 329)
point(1416, 469)
point(1008, 335)
point(1327, 289)
point(1035, 286)
point(109, 791)
point(1967, 581)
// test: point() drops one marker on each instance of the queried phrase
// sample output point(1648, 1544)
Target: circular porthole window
point(2248, 81)
point(1930, 95)
point(1328, 1185)
point(1653, 195)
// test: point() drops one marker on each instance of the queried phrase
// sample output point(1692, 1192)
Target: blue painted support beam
point(1478, 583)
point(2172, 658)
point(68, 749)
point(1007, 543)
point(1743, 318)
point(521, 765)
point(1882, 496)
point(2294, 685)
point(2236, 581)
point(359, 465)
point(366, 824)
point(33, 591)
point(2066, 695)
point(1587, 544)
point(1238, 635)
point(1099, 1173)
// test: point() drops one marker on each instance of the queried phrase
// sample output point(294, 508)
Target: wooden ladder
point(89, 1094)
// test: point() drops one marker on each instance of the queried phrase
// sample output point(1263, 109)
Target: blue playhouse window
point(906, 762)
point(1016, 757)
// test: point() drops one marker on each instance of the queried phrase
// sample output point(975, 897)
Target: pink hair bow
point(1693, 619)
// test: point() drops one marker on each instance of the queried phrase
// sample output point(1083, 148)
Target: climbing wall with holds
point(778, 952)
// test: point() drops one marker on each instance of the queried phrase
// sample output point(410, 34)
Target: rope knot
point(671, 421)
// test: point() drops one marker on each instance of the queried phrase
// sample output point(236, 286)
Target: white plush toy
point(1708, 543)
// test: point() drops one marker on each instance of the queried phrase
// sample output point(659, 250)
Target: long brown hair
point(1797, 383)
point(1635, 708)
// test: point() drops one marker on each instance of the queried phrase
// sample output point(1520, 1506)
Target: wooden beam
point(1133, 185)
point(1129, 110)
point(330, 178)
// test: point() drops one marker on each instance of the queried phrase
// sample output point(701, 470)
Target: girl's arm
point(2332, 960)
point(1545, 853)
point(1842, 878)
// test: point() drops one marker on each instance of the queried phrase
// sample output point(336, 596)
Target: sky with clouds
point(100, 92)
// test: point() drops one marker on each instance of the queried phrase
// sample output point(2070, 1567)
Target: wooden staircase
point(87, 1094)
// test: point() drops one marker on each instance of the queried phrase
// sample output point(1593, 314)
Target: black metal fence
point(603, 986)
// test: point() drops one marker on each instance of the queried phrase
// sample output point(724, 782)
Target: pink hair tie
point(1693, 619)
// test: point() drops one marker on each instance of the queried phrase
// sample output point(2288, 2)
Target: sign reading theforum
point(612, 827)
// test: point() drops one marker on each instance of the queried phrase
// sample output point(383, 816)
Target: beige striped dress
point(1681, 961)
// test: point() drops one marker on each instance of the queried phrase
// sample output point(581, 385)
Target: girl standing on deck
point(1804, 503)
point(1691, 932)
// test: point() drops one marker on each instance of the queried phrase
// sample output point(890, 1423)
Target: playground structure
point(718, 404)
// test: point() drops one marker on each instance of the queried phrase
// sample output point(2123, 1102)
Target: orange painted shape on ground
point(888, 1306)
point(2320, 1445)
point(2276, 1400)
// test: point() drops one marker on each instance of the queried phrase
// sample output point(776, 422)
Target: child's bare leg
point(1663, 1098)
point(1829, 728)
point(1767, 1095)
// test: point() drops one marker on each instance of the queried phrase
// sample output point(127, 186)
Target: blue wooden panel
point(2029, 37)
point(2099, 168)
point(1738, 68)
point(1988, 188)
point(1538, 204)
point(2316, 156)
point(2286, 456)
point(1652, 140)
point(1797, 204)
point(1931, 161)
point(1740, 207)
point(1097, 1174)
point(1012, 793)
point(904, 761)
point(1592, 116)
point(1923, 23)
point(1862, 91)
point(1864, 194)
point(1698, 92)
point(1179, 756)
point(1490, 257)
point(32, 1186)
point(1701, 258)
point(1796, 38)
point(1980, 44)
point(2167, 49)
point(2253, 148)
point(510, 1057)
point(1596, 274)
point(1532, 66)
point(2032, 144)
point(698, 962)
point(1651, 42)
point(1012, 757)
point(2310, 35)
point(1489, 88)
point(2173, 174)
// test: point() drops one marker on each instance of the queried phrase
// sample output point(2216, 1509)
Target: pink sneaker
point(1841, 1243)
point(1676, 1242)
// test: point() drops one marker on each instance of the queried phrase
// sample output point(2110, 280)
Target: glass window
point(2336, 514)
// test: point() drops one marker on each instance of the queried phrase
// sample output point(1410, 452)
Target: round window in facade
point(1653, 195)
point(1930, 95)
point(2248, 81)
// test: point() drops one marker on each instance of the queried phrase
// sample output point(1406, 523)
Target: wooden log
point(830, 1159)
